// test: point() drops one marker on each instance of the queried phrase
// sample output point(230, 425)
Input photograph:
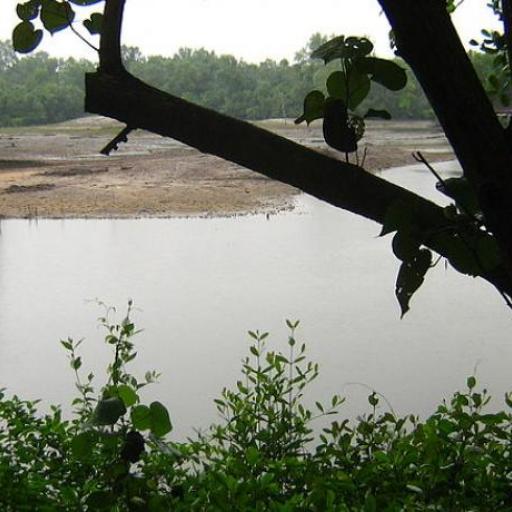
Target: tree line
point(40, 89)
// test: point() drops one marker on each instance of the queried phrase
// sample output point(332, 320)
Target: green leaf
point(377, 114)
point(28, 10)
point(127, 395)
point(108, 411)
point(410, 278)
point(141, 417)
point(385, 72)
point(25, 38)
point(94, 23)
point(313, 107)
point(83, 444)
point(343, 48)
point(252, 455)
point(352, 90)
point(471, 382)
point(56, 15)
point(160, 420)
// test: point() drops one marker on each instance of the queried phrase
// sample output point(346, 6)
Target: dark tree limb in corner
point(114, 93)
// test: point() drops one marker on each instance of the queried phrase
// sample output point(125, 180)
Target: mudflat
point(56, 171)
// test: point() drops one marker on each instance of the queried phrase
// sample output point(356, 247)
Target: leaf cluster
point(347, 88)
point(54, 16)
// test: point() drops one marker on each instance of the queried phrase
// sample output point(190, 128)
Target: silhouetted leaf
point(410, 278)
point(405, 246)
point(337, 132)
point(313, 107)
point(489, 253)
point(378, 114)
point(28, 10)
point(352, 90)
point(462, 193)
point(385, 72)
point(399, 217)
point(133, 447)
point(94, 23)
point(25, 38)
point(343, 48)
point(56, 15)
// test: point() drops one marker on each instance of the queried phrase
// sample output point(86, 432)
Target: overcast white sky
point(249, 29)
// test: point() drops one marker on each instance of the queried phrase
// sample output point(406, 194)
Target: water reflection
point(202, 283)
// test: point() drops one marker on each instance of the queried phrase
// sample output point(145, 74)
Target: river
point(200, 283)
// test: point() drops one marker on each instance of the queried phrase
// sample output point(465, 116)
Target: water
point(200, 284)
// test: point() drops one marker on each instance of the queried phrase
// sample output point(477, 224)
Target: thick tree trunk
point(428, 41)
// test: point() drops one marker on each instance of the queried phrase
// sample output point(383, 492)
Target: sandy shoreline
point(56, 171)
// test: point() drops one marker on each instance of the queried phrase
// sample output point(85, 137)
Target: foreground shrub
point(264, 455)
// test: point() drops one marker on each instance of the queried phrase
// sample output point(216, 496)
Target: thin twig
point(365, 152)
point(418, 156)
point(75, 31)
point(113, 145)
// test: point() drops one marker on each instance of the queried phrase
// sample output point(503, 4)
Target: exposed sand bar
point(56, 171)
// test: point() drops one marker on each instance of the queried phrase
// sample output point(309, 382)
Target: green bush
point(265, 455)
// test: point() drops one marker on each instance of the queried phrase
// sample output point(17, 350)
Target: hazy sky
point(250, 29)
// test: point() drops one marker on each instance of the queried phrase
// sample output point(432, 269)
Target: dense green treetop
point(39, 89)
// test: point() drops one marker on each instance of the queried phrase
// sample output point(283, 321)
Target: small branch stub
point(113, 145)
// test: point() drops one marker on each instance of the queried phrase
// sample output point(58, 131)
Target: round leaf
point(141, 417)
point(56, 15)
point(108, 411)
point(28, 10)
point(160, 420)
point(127, 395)
point(25, 38)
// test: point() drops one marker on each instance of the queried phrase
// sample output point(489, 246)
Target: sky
point(252, 30)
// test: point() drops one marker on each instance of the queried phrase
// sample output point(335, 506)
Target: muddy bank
point(56, 171)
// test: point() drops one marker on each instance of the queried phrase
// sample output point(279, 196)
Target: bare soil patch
point(56, 171)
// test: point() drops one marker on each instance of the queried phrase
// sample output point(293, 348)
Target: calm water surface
point(200, 284)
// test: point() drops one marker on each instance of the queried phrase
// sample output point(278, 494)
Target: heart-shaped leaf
point(56, 15)
point(94, 23)
point(25, 38)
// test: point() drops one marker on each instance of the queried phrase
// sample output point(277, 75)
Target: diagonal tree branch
point(114, 93)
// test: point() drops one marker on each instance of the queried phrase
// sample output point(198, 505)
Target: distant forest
point(39, 89)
